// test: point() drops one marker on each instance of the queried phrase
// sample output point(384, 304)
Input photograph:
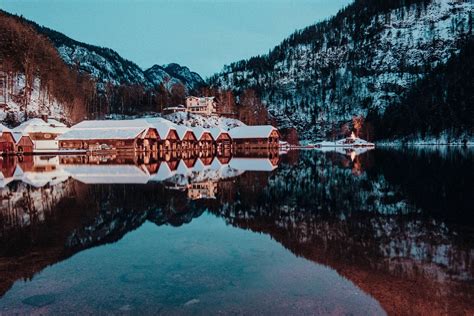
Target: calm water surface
point(374, 233)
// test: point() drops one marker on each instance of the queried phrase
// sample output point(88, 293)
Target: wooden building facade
point(265, 137)
point(129, 136)
point(7, 142)
point(23, 144)
point(124, 141)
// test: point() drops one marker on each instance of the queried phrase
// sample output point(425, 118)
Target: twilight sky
point(201, 34)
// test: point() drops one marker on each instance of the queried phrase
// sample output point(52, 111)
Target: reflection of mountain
point(32, 185)
point(53, 207)
point(368, 229)
point(373, 225)
point(84, 217)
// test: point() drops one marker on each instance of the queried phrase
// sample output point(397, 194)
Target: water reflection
point(397, 223)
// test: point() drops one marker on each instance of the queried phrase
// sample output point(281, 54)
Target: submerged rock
point(191, 302)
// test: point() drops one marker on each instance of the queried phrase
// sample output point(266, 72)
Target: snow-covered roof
point(4, 129)
point(252, 164)
point(216, 164)
point(200, 98)
point(216, 132)
point(40, 179)
point(164, 172)
point(257, 131)
point(182, 130)
point(18, 135)
point(37, 125)
point(5, 181)
point(199, 166)
point(106, 124)
point(199, 131)
point(177, 107)
point(56, 123)
point(346, 142)
point(107, 129)
point(162, 125)
point(122, 174)
point(98, 133)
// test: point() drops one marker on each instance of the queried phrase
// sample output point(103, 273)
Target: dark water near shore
point(389, 231)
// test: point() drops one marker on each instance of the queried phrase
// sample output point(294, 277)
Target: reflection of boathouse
point(222, 141)
point(186, 137)
point(204, 139)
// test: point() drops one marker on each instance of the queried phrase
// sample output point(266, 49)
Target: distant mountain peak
point(362, 60)
point(107, 66)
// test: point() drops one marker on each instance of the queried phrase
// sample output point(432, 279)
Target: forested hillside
point(106, 82)
point(33, 78)
point(440, 106)
point(363, 60)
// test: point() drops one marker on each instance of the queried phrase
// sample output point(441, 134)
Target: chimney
point(44, 117)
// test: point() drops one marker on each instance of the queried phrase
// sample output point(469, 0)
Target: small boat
point(348, 142)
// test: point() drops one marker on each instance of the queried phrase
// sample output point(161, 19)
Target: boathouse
point(255, 137)
point(168, 138)
point(23, 143)
point(7, 142)
point(104, 135)
point(43, 133)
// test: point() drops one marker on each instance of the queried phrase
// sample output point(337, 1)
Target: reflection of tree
point(366, 229)
point(372, 228)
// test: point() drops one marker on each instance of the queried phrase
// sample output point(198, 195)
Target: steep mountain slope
point(34, 80)
point(363, 59)
point(189, 78)
point(439, 108)
point(173, 74)
point(107, 66)
point(43, 71)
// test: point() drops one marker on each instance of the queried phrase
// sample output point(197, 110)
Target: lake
point(385, 231)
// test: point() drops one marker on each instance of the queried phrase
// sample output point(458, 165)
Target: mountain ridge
point(107, 65)
point(363, 59)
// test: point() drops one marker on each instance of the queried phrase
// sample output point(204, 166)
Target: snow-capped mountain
point(46, 72)
point(365, 58)
point(107, 66)
point(157, 75)
point(172, 74)
point(189, 78)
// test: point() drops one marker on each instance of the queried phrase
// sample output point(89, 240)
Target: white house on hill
point(201, 105)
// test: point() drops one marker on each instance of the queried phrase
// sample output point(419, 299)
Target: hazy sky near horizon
point(201, 34)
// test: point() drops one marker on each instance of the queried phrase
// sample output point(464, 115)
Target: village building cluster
point(154, 134)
